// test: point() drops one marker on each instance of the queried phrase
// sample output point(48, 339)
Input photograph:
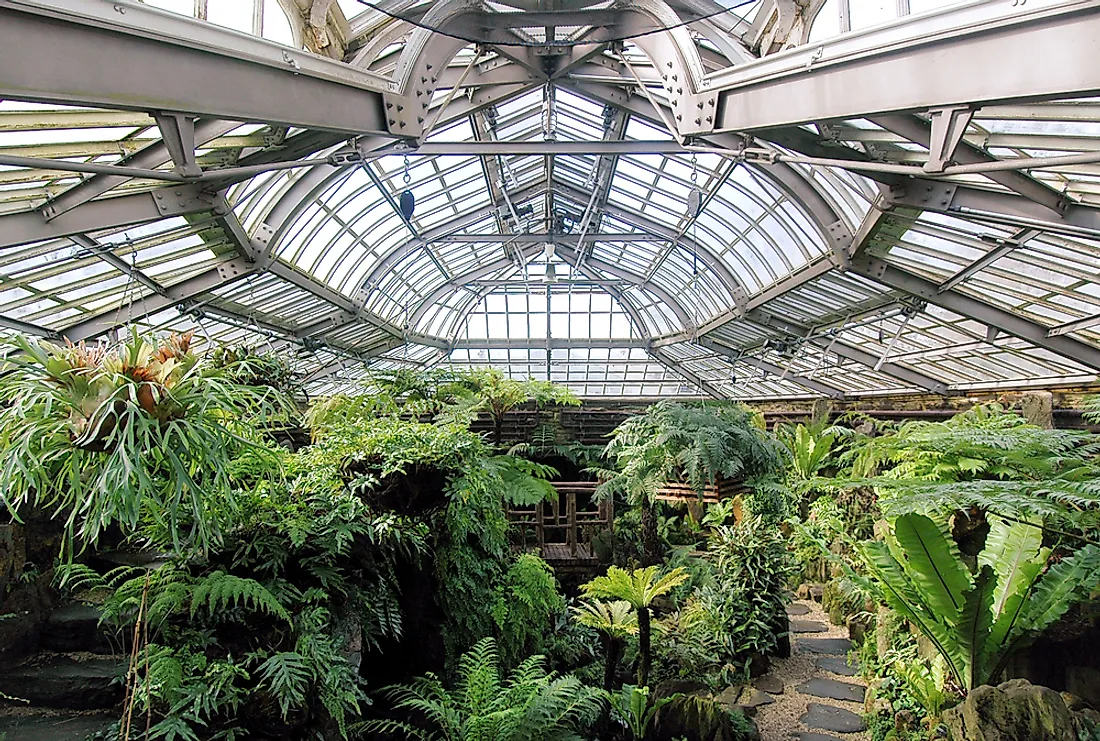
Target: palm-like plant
point(615, 621)
point(531, 705)
point(697, 443)
point(114, 436)
point(638, 588)
point(976, 621)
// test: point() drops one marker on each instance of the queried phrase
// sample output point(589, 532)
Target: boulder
point(858, 629)
point(28, 606)
point(1013, 710)
point(699, 719)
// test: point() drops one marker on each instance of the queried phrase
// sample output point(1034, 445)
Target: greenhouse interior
point(550, 370)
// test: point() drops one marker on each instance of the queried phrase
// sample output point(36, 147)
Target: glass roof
point(565, 225)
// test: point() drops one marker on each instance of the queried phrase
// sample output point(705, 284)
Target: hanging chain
point(406, 177)
point(694, 169)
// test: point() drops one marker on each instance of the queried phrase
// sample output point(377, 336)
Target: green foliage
point(811, 448)
point(696, 443)
point(524, 482)
point(985, 458)
point(527, 602)
point(976, 621)
point(739, 612)
point(632, 708)
point(616, 619)
point(638, 588)
point(144, 431)
point(494, 393)
point(530, 705)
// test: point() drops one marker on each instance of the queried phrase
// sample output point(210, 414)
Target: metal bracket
point(180, 200)
point(842, 242)
point(405, 114)
point(231, 269)
point(178, 134)
point(924, 194)
point(948, 126)
point(699, 112)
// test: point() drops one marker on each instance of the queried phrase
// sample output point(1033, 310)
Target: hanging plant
point(144, 432)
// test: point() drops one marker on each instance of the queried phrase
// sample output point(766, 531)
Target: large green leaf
point(905, 598)
point(934, 564)
point(973, 627)
point(1064, 584)
point(1009, 549)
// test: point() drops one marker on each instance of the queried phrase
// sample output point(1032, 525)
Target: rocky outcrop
point(1014, 710)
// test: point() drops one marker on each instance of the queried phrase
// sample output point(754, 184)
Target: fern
point(220, 590)
point(287, 677)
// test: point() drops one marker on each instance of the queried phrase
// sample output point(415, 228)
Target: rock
point(670, 687)
point(55, 727)
point(29, 604)
point(1084, 681)
point(695, 719)
point(857, 629)
point(803, 591)
point(807, 626)
point(769, 683)
point(759, 664)
point(61, 682)
point(1012, 710)
point(814, 736)
point(75, 628)
point(730, 696)
point(828, 718)
point(832, 689)
point(1074, 703)
point(838, 665)
point(783, 645)
point(828, 646)
point(754, 698)
point(817, 591)
point(796, 609)
point(905, 721)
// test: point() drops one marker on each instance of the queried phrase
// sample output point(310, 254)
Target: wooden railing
point(675, 491)
point(560, 528)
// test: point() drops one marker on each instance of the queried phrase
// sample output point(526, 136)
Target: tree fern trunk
point(651, 541)
point(613, 648)
point(643, 646)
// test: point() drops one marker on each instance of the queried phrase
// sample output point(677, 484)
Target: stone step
point(807, 626)
point(769, 683)
point(814, 736)
point(828, 718)
point(75, 627)
point(832, 689)
point(838, 665)
point(54, 727)
point(798, 608)
point(828, 646)
point(59, 681)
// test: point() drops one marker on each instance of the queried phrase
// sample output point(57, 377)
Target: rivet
point(402, 124)
point(392, 122)
point(428, 66)
point(420, 119)
point(400, 108)
point(679, 117)
point(679, 91)
point(697, 122)
point(670, 65)
point(675, 78)
point(423, 79)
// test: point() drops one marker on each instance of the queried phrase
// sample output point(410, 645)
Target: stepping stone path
point(769, 683)
point(807, 626)
point(838, 665)
point(808, 698)
point(828, 646)
point(833, 689)
point(829, 718)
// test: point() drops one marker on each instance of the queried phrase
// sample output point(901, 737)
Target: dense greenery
point(367, 584)
point(698, 444)
point(140, 434)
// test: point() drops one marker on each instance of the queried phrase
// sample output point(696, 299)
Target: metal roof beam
point(808, 383)
point(25, 227)
point(851, 352)
point(22, 327)
point(939, 55)
point(992, 316)
point(125, 55)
